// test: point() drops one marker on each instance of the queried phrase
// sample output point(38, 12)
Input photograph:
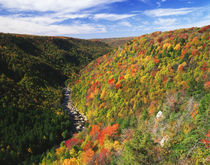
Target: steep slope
point(32, 70)
point(146, 103)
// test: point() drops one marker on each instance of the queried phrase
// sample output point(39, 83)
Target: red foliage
point(102, 156)
point(204, 66)
point(184, 35)
point(165, 79)
point(108, 131)
point(203, 29)
point(111, 81)
point(98, 61)
point(133, 71)
point(71, 142)
point(208, 134)
point(121, 77)
point(159, 40)
point(139, 53)
point(156, 60)
point(87, 146)
point(181, 67)
point(208, 38)
point(77, 82)
point(171, 38)
point(206, 142)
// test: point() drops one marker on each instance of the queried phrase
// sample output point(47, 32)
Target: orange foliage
point(181, 67)
point(152, 108)
point(207, 85)
point(108, 131)
point(87, 156)
point(165, 79)
point(183, 54)
point(118, 85)
point(206, 142)
point(95, 130)
point(195, 52)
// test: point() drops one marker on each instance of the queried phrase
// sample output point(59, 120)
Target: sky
point(101, 18)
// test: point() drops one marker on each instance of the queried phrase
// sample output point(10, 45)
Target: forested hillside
point(115, 42)
point(32, 70)
point(147, 102)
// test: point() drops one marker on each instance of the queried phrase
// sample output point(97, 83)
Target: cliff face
point(146, 102)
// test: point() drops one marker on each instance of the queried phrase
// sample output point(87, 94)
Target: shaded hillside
point(147, 102)
point(32, 70)
point(114, 42)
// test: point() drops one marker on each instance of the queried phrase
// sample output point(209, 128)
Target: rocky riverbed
point(72, 111)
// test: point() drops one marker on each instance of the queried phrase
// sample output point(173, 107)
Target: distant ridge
point(114, 42)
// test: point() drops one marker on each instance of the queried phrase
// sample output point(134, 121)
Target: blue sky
point(101, 18)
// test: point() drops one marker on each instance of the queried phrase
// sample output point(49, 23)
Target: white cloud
point(45, 19)
point(186, 24)
point(112, 17)
point(163, 0)
point(168, 12)
point(125, 23)
point(166, 21)
point(40, 27)
point(53, 5)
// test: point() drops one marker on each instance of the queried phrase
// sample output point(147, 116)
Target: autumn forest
point(145, 99)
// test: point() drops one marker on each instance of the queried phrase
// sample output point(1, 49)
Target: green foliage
point(138, 150)
point(32, 71)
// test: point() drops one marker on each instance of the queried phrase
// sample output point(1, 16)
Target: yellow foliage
point(71, 161)
point(73, 153)
point(60, 150)
point(102, 94)
point(116, 145)
point(29, 150)
point(59, 113)
point(184, 63)
point(143, 79)
point(102, 105)
point(187, 128)
point(127, 76)
point(166, 45)
point(177, 47)
point(144, 100)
